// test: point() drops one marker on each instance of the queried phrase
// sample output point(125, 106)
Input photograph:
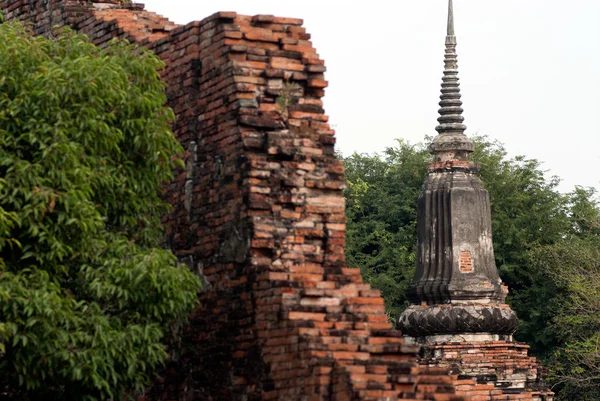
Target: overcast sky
point(529, 69)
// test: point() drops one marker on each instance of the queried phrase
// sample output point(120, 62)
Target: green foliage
point(574, 266)
point(86, 293)
point(381, 203)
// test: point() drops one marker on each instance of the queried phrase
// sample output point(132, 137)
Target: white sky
point(529, 69)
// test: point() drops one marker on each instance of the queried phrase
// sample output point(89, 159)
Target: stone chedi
point(458, 312)
point(457, 290)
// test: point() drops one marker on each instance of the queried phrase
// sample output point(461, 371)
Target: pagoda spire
point(451, 142)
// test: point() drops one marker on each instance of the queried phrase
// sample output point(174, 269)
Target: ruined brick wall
point(490, 370)
point(258, 212)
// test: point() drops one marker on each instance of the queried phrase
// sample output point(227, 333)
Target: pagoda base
point(453, 338)
point(490, 370)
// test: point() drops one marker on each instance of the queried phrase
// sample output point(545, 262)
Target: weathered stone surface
point(418, 321)
point(454, 219)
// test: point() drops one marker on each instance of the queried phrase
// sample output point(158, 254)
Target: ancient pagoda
point(458, 310)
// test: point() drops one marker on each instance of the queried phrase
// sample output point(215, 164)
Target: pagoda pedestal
point(489, 370)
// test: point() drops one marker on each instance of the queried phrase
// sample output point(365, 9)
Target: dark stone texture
point(419, 321)
point(454, 217)
point(451, 142)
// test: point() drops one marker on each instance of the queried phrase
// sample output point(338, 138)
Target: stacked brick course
point(258, 213)
point(490, 370)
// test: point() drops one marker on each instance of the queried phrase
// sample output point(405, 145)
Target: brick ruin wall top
point(258, 212)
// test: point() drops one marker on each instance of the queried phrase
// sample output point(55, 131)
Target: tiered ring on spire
point(451, 143)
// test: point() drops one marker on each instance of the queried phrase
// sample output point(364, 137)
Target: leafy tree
point(381, 204)
point(584, 212)
point(86, 293)
point(574, 265)
point(569, 270)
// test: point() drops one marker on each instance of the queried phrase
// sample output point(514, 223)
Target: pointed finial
point(451, 143)
point(450, 18)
